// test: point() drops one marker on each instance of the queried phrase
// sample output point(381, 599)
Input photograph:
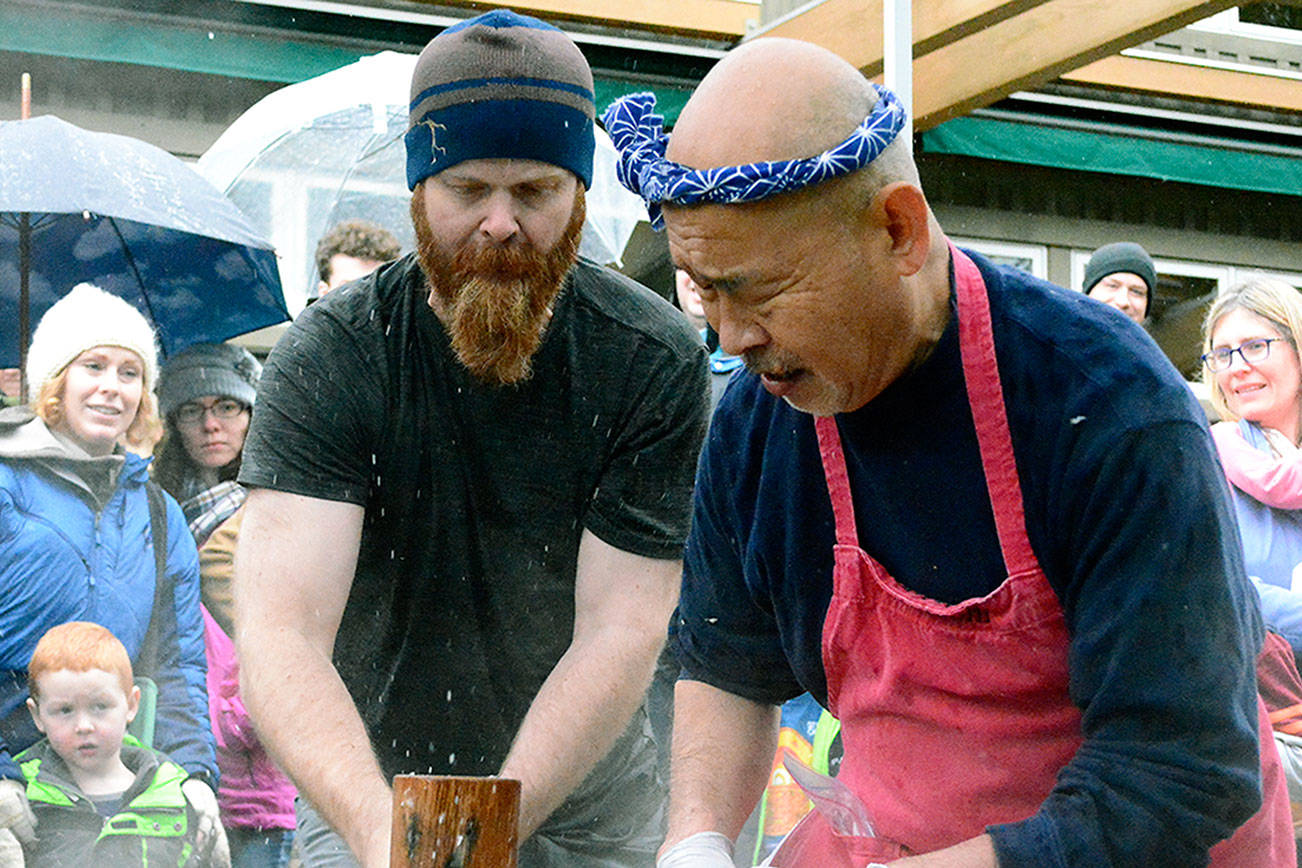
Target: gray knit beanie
point(500, 85)
point(224, 370)
point(1124, 256)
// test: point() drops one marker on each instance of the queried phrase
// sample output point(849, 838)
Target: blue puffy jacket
point(68, 555)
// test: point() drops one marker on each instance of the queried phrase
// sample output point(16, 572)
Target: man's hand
point(702, 850)
point(15, 814)
point(211, 837)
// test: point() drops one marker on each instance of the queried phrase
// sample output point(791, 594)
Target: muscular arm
point(722, 750)
point(621, 603)
point(293, 571)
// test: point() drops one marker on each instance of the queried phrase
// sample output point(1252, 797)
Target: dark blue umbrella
point(134, 220)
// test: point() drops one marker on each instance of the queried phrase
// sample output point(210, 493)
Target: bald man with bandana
point(978, 521)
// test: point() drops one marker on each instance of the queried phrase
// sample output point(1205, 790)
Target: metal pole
point(897, 54)
point(24, 300)
point(24, 257)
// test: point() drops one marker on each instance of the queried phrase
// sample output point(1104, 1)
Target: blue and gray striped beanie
point(500, 85)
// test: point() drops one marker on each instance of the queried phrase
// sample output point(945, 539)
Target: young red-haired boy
point(99, 796)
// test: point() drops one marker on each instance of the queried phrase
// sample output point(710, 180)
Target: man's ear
point(36, 718)
point(905, 216)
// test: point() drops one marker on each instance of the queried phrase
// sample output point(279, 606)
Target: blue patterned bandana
point(639, 135)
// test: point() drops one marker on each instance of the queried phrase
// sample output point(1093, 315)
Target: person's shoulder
point(1071, 351)
point(613, 300)
point(367, 304)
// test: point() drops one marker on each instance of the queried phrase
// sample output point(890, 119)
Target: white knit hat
point(84, 318)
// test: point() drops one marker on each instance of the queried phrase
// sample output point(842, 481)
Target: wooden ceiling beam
point(725, 20)
point(1025, 51)
point(852, 29)
point(1174, 78)
point(970, 53)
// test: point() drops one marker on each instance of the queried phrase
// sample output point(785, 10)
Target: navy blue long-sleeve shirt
point(1127, 511)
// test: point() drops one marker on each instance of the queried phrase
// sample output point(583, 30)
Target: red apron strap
point(986, 396)
point(838, 480)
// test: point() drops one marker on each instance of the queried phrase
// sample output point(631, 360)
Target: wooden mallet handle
point(444, 821)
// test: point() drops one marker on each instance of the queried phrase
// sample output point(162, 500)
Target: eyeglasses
point(226, 408)
point(1253, 351)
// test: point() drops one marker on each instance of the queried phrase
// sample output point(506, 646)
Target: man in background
point(351, 250)
point(1122, 275)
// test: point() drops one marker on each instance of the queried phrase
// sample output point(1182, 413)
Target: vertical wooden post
point(445, 821)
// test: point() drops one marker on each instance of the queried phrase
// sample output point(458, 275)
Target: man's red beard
point(496, 301)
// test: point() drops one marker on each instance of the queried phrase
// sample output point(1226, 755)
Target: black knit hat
point(1123, 256)
point(500, 85)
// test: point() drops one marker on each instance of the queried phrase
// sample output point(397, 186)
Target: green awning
point(1222, 165)
point(81, 34)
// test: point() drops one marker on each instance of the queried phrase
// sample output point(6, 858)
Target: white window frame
point(1222, 274)
point(1238, 274)
point(1037, 253)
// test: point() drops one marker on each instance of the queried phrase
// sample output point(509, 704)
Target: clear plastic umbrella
point(330, 148)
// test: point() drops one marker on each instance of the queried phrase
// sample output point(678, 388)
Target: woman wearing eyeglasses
point(206, 394)
point(1250, 362)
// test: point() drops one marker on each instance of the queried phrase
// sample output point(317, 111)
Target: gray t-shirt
point(476, 496)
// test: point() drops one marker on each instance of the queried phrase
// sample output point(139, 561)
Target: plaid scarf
point(209, 508)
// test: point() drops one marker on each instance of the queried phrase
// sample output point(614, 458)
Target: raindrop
point(452, 759)
point(711, 620)
point(449, 696)
point(210, 35)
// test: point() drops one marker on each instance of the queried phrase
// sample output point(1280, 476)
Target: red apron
point(957, 717)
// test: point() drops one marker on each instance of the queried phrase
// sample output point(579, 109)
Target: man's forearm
point(309, 724)
point(723, 749)
point(581, 710)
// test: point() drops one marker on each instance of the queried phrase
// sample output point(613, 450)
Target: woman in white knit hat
point(78, 529)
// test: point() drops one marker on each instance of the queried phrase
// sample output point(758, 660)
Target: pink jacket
point(254, 793)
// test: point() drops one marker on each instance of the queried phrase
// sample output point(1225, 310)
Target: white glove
point(11, 852)
point(15, 813)
point(702, 850)
point(211, 837)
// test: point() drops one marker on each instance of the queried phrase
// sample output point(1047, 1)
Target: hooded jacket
point(152, 827)
point(76, 544)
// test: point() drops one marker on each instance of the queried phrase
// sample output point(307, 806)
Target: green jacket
point(153, 827)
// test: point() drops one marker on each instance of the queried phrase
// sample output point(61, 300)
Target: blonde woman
point(1251, 365)
point(77, 538)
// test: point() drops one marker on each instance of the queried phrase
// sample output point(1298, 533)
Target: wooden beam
point(1171, 77)
point(725, 20)
point(1024, 52)
point(970, 53)
point(852, 29)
